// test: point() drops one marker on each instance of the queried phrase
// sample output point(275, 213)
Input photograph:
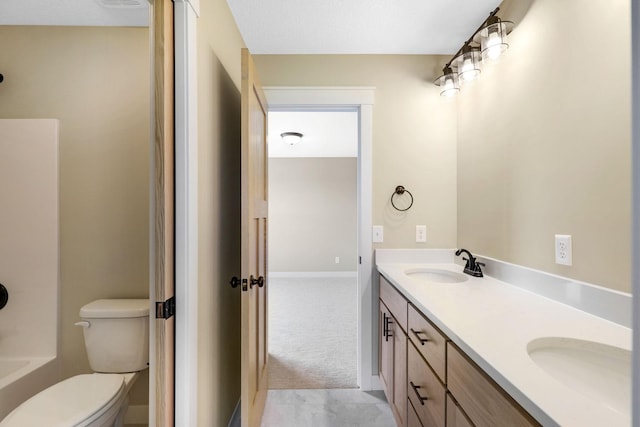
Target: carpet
point(312, 333)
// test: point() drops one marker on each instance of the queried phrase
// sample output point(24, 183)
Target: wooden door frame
point(360, 99)
point(174, 220)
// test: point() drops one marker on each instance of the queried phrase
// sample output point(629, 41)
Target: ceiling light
point(488, 42)
point(291, 138)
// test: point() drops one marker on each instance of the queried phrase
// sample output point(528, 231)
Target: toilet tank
point(117, 334)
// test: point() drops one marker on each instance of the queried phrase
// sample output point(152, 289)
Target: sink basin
point(599, 371)
point(436, 275)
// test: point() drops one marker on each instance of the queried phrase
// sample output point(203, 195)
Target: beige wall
point(414, 135)
point(219, 79)
point(96, 82)
point(544, 144)
point(312, 214)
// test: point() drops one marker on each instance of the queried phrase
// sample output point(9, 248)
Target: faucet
point(472, 267)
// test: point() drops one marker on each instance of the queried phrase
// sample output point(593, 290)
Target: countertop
point(493, 321)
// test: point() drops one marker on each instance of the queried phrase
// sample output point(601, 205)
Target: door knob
point(253, 281)
point(235, 282)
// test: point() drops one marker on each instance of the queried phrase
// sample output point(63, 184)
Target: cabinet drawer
point(394, 301)
point(412, 417)
point(423, 382)
point(455, 415)
point(429, 341)
point(484, 401)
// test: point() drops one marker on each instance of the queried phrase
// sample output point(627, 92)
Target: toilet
point(116, 336)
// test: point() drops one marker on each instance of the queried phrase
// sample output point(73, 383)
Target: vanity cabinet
point(429, 381)
point(393, 350)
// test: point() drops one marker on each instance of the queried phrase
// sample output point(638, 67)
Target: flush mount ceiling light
point(291, 138)
point(488, 42)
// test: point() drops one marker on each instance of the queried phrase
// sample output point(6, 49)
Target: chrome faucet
point(472, 267)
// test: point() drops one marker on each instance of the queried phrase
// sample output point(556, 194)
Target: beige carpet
point(312, 333)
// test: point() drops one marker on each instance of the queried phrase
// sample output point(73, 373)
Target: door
point(254, 245)
point(164, 211)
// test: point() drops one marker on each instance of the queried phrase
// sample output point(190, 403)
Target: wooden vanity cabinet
point(429, 381)
point(393, 350)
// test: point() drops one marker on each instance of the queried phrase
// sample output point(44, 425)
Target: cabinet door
point(455, 415)
point(386, 353)
point(484, 402)
point(400, 374)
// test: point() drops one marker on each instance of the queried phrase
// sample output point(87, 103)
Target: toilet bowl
point(116, 334)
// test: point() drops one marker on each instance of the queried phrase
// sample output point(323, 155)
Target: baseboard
point(287, 274)
point(376, 384)
point(137, 414)
point(235, 417)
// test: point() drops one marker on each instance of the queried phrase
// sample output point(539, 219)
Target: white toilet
point(116, 335)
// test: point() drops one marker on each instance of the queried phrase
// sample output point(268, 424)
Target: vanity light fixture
point(291, 138)
point(488, 42)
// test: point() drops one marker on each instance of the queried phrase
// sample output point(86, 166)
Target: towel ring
point(4, 296)
point(399, 191)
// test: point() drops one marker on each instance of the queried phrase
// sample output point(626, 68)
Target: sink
point(598, 371)
point(436, 275)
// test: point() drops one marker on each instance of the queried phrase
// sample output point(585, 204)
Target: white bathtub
point(22, 378)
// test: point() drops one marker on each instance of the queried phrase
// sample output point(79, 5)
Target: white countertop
point(493, 322)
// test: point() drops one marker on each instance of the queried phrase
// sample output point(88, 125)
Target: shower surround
point(29, 259)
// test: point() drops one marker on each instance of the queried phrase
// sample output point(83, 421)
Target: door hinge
point(166, 309)
point(360, 260)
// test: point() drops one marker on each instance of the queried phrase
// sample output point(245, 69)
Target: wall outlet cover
point(421, 233)
point(563, 249)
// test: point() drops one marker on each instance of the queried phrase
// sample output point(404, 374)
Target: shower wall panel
point(29, 246)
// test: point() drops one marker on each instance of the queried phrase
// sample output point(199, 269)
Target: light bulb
point(449, 87)
point(468, 71)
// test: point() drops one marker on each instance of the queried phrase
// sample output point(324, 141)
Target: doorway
point(359, 100)
point(313, 249)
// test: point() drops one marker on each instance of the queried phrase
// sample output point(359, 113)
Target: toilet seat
point(76, 401)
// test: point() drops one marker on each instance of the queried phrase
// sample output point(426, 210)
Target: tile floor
point(327, 408)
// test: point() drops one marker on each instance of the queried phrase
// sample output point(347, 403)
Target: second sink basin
point(599, 371)
point(435, 275)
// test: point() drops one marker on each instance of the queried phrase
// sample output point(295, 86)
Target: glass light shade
point(291, 138)
point(468, 63)
point(493, 38)
point(448, 81)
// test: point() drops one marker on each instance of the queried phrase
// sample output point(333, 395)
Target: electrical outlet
point(337, 260)
point(563, 249)
point(421, 233)
point(378, 234)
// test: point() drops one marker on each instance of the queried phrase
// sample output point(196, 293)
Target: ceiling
point(326, 133)
point(294, 26)
point(358, 26)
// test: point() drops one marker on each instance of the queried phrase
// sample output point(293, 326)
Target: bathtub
point(22, 378)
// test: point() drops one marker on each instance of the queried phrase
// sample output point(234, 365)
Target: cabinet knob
point(387, 330)
point(415, 390)
point(417, 335)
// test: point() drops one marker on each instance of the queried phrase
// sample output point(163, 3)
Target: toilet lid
point(68, 402)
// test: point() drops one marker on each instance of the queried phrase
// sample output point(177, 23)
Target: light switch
point(378, 234)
